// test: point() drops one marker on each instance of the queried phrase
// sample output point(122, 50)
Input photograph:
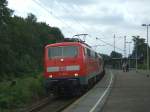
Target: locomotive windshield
point(62, 51)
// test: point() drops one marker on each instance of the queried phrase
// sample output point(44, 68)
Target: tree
point(31, 18)
point(22, 45)
point(54, 31)
point(5, 12)
point(116, 59)
point(140, 47)
point(115, 55)
point(5, 17)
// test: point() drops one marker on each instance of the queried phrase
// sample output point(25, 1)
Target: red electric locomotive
point(71, 65)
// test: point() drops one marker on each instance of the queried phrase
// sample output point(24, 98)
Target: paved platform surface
point(130, 93)
point(95, 98)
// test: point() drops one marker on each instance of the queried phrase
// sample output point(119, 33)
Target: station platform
point(130, 93)
point(94, 99)
point(117, 92)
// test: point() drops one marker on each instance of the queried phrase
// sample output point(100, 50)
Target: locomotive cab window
point(62, 51)
point(88, 52)
point(54, 52)
point(92, 54)
point(70, 51)
point(95, 55)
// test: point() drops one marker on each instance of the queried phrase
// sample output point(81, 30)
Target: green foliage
point(140, 47)
point(5, 13)
point(25, 90)
point(22, 43)
point(115, 55)
point(31, 18)
point(105, 57)
point(115, 59)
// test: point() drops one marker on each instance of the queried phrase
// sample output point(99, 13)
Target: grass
point(21, 92)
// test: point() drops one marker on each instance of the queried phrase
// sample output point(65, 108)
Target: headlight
point(50, 76)
point(76, 74)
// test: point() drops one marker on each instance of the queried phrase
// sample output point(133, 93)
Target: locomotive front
point(63, 63)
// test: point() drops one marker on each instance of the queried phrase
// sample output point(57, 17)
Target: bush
point(24, 91)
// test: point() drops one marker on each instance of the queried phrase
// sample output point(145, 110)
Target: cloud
point(70, 2)
point(97, 19)
point(102, 18)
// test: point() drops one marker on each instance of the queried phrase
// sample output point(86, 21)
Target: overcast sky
point(98, 18)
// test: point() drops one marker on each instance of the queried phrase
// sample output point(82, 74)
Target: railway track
point(50, 104)
point(58, 105)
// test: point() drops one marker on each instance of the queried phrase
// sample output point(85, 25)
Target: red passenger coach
point(71, 65)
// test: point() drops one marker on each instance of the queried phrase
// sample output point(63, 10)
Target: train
point(71, 67)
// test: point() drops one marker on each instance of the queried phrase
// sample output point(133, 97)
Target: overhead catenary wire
point(69, 26)
point(79, 23)
point(84, 27)
point(109, 44)
point(43, 7)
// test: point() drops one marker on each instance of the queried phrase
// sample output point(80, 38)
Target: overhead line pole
point(114, 42)
point(129, 52)
point(147, 51)
point(125, 46)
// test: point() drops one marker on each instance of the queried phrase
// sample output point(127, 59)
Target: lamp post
point(115, 42)
point(125, 46)
point(147, 25)
point(129, 52)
